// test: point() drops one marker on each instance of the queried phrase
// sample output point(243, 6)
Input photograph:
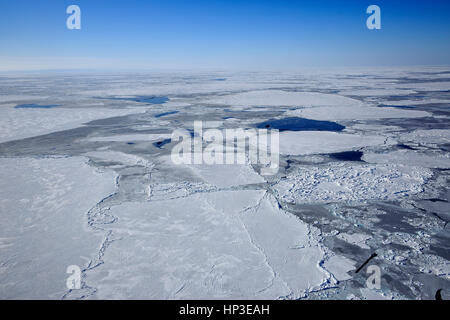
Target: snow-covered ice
point(90, 182)
point(314, 142)
point(24, 123)
point(340, 182)
point(355, 113)
point(43, 205)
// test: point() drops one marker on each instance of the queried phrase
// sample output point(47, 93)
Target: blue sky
point(227, 34)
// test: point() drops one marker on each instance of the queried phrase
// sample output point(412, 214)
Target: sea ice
point(283, 98)
point(355, 113)
point(310, 142)
point(340, 182)
point(17, 124)
point(409, 157)
point(43, 205)
point(219, 245)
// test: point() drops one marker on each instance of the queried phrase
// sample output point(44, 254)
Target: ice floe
point(229, 175)
point(339, 182)
point(355, 238)
point(310, 142)
point(339, 266)
point(410, 157)
point(220, 245)
point(355, 113)
point(132, 137)
point(434, 136)
point(120, 157)
point(24, 123)
point(43, 205)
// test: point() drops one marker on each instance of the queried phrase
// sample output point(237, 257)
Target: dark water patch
point(265, 107)
point(326, 91)
point(399, 98)
point(165, 114)
point(366, 262)
point(445, 113)
point(251, 115)
point(346, 249)
point(404, 146)
point(430, 285)
point(439, 95)
point(150, 99)
point(56, 143)
point(417, 96)
point(437, 109)
point(219, 79)
point(398, 107)
point(36, 106)
point(441, 245)
point(393, 220)
point(140, 99)
point(445, 147)
point(300, 124)
point(162, 143)
point(437, 200)
point(121, 121)
point(309, 212)
point(430, 73)
point(442, 251)
point(347, 155)
point(397, 285)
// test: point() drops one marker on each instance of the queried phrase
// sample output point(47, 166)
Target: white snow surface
point(409, 157)
point(355, 113)
point(43, 223)
point(343, 182)
point(123, 158)
point(310, 142)
point(18, 124)
point(219, 245)
point(229, 175)
point(435, 136)
point(339, 266)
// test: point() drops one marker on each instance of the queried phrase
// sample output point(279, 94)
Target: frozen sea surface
point(364, 169)
point(300, 124)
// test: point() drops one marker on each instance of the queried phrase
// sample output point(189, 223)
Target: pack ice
point(89, 182)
